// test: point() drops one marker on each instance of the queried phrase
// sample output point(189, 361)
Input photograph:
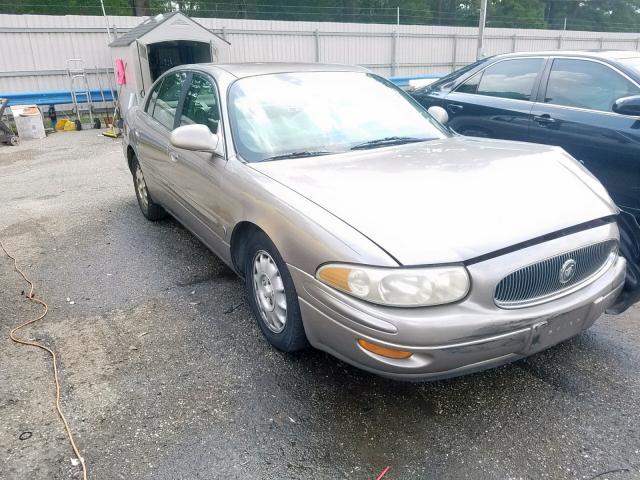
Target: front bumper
point(460, 338)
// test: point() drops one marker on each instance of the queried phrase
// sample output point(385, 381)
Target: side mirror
point(627, 105)
point(439, 113)
point(197, 138)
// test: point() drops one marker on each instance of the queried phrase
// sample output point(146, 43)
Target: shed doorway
point(166, 55)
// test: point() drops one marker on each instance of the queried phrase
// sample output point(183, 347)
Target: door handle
point(455, 108)
point(544, 119)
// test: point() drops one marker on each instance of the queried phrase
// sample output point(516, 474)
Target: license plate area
point(559, 328)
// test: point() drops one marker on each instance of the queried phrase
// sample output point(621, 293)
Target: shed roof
point(150, 24)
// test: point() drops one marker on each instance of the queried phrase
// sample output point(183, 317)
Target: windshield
point(452, 77)
point(632, 64)
point(301, 114)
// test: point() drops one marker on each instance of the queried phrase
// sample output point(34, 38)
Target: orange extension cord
point(31, 297)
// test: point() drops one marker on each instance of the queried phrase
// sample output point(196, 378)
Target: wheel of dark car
point(273, 296)
point(14, 141)
point(152, 211)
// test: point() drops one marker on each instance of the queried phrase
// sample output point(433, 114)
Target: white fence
point(35, 48)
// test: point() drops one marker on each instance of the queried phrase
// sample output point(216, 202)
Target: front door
point(199, 176)
point(575, 112)
point(496, 102)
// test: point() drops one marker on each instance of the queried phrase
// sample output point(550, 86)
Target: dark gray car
point(585, 102)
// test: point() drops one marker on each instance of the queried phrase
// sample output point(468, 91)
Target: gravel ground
point(165, 374)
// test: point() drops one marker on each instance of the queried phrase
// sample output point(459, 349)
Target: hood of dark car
point(448, 200)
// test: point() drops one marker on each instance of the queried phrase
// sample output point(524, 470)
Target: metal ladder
point(79, 87)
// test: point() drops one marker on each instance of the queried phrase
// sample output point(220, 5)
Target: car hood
point(448, 200)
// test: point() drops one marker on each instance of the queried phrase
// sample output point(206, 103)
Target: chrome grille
point(548, 278)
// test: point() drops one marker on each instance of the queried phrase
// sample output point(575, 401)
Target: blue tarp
point(404, 81)
point(56, 97)
point(59, 97)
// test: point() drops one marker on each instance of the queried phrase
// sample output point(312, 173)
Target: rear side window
point(166, 103)
point(506, 79)
point(586, 84)
point(152, 99)
point(201, 104)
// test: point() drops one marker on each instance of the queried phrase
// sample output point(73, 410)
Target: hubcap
point(269, 291)
point(141, 187)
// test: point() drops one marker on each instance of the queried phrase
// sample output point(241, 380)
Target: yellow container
point(69, 126)
point(60, 124)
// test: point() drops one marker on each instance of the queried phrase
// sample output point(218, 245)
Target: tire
point(283, 330)
point(14, 141)
point(152, 211)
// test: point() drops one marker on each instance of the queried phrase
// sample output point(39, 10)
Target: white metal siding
point(36, 47)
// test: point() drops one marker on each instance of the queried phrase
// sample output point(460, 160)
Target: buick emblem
point(567, 271)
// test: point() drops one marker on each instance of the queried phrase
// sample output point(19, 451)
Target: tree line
point(593, 15)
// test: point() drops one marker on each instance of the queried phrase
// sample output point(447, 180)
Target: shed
point(158, 44)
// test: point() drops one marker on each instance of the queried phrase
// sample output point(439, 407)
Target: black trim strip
point(544, 238)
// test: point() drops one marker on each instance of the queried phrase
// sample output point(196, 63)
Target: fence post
point(394, 53)
point(513, 43)
point(454, 55)
point(559, 42)
point(601, 42)
point(316, 34)
point(638, 44)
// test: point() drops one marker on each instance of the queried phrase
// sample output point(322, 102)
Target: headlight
point(398, 287)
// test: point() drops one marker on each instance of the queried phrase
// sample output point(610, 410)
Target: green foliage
point(594, 15)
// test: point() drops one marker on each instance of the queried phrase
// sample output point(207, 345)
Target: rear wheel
point(152, 211)
point(272, 295)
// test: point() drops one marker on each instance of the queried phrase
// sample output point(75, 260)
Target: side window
point(507, 79)
point(168, 98)
point(585, 84)
point(152, 99)
point(201, 104)
point(471, 85)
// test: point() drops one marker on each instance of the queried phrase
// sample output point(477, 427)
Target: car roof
point(600, 54)
point(241, 70)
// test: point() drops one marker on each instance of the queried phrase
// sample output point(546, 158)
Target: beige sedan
point(364, 227)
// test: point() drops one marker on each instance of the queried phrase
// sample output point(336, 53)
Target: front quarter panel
point(305, 234)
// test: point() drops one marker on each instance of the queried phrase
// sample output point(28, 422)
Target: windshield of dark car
point(443, 82)
point(279, 115)
point(632, 64)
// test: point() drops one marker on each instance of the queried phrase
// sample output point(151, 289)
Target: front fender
point(305, 234)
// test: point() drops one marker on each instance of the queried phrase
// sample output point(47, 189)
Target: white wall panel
point(37, 47)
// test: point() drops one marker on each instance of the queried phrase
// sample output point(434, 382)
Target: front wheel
point(272, 295)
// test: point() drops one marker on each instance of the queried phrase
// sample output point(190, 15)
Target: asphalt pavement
point(165, 374)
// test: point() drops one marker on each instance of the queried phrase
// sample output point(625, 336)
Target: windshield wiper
point(388, 141)
point(297, 155)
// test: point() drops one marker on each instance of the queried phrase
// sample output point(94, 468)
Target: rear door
point(574, 111)
point(152, 130)
point(199, 176)
point(496, 102)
